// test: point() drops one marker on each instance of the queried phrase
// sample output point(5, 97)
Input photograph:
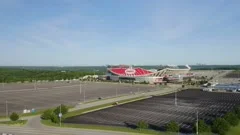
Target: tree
point(231, 118)
point(202, 127)
point(47, 115)
point(142, 125)
point(220, 126)
point(189, 80)
point(17, 75)
point(237, 111)
point(172, 127)
point(64, 110)
point(14, 116)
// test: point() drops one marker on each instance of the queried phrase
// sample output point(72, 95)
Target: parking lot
point(17, 97)
point(159, 110)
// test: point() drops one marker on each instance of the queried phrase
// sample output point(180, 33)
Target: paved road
point(34, 127)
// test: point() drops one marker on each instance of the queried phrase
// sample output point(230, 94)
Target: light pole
point(60, 115)
point(6, 109)
point(80, 88)
point(175, 98)
point(3, 83)
point(197, 124)
point(54, 82)
point(35, 84)
point(84, 95)
point(94, 70)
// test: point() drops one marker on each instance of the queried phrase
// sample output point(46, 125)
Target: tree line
point(22, 75)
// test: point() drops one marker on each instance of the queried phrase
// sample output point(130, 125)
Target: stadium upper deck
point(128, 72)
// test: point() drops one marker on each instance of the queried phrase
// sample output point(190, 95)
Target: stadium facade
point(137, 74)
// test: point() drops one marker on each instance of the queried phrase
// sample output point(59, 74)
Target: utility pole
point(6, 109)
point(197, 124)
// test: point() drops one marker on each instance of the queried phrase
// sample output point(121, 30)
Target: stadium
point(137, 74)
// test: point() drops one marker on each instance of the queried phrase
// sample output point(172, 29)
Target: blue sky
point(99, 32)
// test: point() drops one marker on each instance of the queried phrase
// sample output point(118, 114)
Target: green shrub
point(142, 125)
point(220, 126)
point(55, 118)
point(14, 116)
point(144, 82)
point(202, 127)
point(47, 115)
point(231, 118)
point(64, 110)
point(172, 127)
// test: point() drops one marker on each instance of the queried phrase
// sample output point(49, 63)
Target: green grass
point(96, 100)
point(2, 117)
point(19, 122)
point(236, 71)
point(99, 107)
point(100, 127)
point(234, 130)
point(26, 114)
point(39, 112)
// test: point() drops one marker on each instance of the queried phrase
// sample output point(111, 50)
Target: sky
point(134, 32)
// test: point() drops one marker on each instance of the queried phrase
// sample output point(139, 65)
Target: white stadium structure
point(137, 74)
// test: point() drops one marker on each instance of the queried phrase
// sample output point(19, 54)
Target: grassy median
point(99, 107)
point(14, 123)
point(100, 127)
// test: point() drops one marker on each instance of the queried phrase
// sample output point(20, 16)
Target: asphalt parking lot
point(159, 110)
point(17, 97)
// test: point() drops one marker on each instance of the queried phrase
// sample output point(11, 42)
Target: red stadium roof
point(129, 71)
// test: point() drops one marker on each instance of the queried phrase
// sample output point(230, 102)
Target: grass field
point(97, 127)
point(15, 123)
point(234, 130)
